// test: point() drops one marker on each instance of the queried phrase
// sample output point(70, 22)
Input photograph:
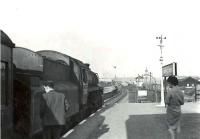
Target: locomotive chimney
point(87, 64)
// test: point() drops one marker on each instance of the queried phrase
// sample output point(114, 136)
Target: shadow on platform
point(154, 126)
point(100, 131)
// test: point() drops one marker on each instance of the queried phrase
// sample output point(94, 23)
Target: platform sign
point(169, 70)
point(142, 93)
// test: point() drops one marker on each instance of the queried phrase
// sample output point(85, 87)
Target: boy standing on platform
point(174, 100)
point(53, 108)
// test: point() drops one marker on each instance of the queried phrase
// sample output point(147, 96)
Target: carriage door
point(84, 86)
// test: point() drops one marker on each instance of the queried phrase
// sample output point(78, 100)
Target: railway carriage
point(6, 85)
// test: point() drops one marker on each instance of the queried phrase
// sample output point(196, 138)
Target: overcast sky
point(107, 33)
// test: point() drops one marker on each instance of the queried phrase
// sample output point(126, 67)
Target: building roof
point(6, 40)
point(189, 80)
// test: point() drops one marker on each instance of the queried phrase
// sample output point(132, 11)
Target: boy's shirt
point(53, 108)
point(174, 99)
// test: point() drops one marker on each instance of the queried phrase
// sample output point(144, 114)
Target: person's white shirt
point(47, 89)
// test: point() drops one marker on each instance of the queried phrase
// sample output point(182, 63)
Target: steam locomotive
point(23, 70)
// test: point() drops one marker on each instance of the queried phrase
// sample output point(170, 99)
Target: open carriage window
point(4, 83)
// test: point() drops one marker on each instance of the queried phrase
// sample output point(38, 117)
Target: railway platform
point(124, 120)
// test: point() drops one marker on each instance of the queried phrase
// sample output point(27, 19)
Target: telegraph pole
point(150, 74)
point(162, 103)
point(115, 71)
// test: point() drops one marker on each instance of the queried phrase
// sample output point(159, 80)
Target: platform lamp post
point(162, 103)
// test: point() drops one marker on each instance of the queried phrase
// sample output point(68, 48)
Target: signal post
point(162, 103)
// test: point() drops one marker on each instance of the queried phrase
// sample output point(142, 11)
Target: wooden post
point(195, 91)
point(165, 86)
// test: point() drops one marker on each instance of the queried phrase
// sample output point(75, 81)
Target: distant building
point(103, 82)
point(139, 80)
point(190, 87)
point(188, 82)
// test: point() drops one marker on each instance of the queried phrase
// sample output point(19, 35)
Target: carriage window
point(4, 83)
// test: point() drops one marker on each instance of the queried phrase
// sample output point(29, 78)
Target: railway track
point(73, 133)
point(116, 97)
